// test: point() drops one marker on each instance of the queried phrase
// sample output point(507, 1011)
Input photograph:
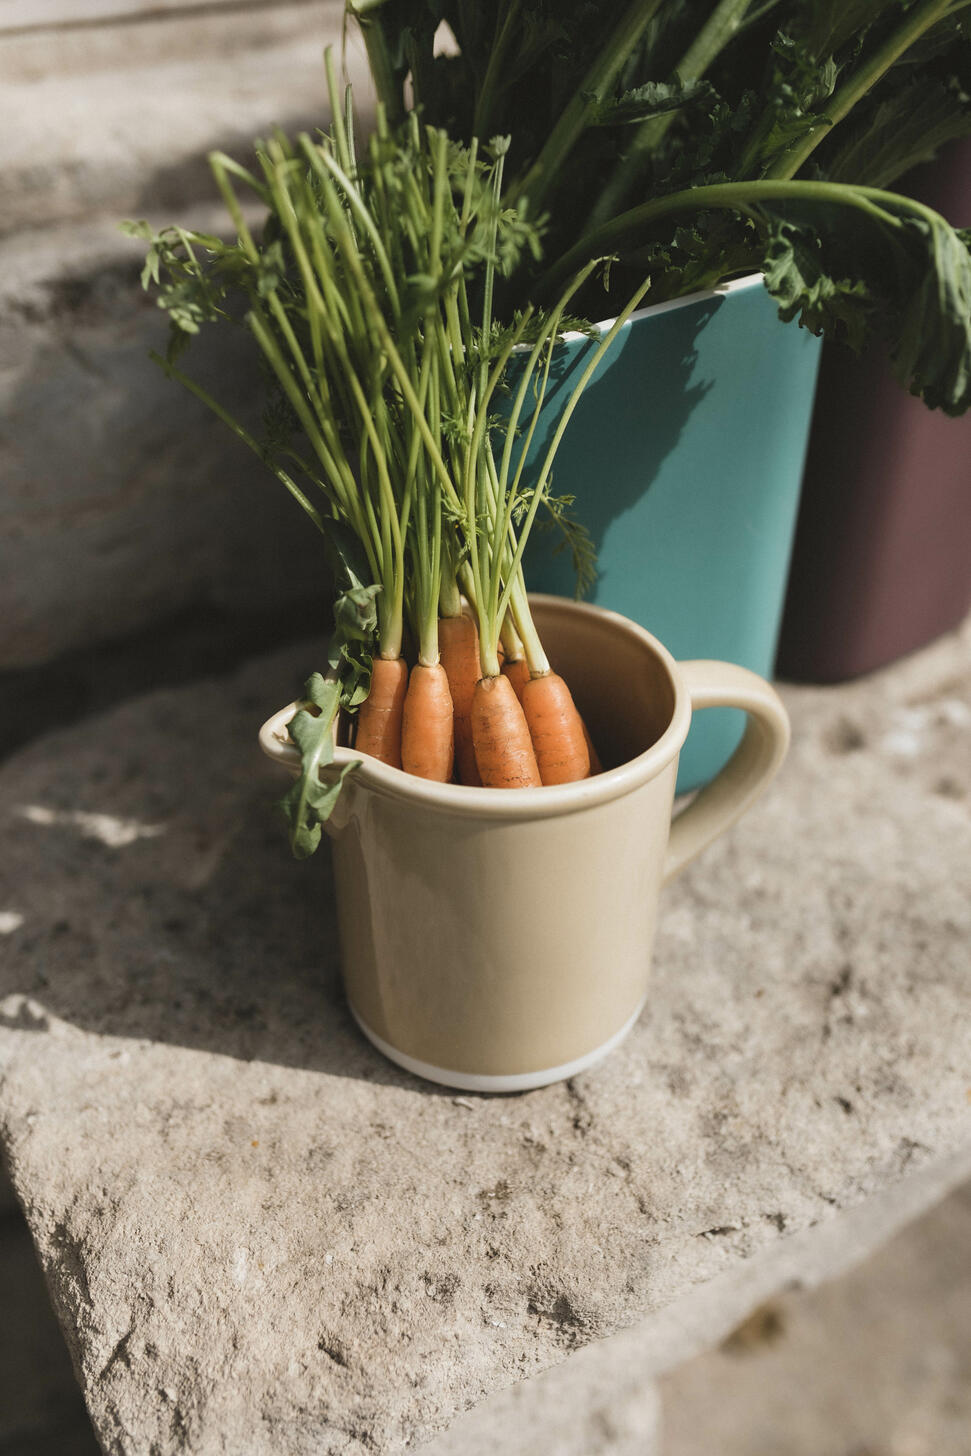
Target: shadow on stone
point(153, 893)
point(42, 1412)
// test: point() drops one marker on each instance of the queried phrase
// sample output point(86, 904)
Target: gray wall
point(122, 502)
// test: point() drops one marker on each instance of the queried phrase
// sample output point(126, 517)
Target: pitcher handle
point(748, 771)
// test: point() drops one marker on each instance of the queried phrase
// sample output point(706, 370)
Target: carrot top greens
point(403, 303)
point(366, 291)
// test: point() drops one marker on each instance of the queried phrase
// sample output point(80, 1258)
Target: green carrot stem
point(511, 640)
point(404, 381)
point(733, 196)
point(349, 126)
point(719, 29)
point(575, 118)
point(482, 119)
point(321, 161)
point(920, 20)
point(554, 445)
point(336, 112)
point(477, 565)
point(490, 274)
point(449, 596)
point(504, 541)
point(273, 165)
point(518, 606)
point(264, 337)
point(545, 341)
point(335, 466)
point(429, 541)
point(222, 166)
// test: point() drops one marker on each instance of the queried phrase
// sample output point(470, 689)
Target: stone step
point(878, 1361)
point(125, 501)
point(28, 16)
point(262, 1237)
point(116, 119)
point(41, 1409)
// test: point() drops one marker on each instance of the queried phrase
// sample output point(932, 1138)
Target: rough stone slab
point(41, 1410)
point(33, 15)
point(8, 1199)
point(261, 1237)
point(607, 1397)
point(125, 501)
point(877, 1361)
point(117, 120)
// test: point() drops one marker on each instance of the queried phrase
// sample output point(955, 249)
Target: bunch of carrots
point(400, 418)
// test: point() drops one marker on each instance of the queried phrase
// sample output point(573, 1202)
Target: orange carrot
point(379, 716)
point(503, 751)
point(458, 641)
point(517, 672)
point(556, 729)
point(427, 743)
point(595, 765)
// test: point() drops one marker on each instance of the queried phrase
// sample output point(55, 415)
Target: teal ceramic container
point(685, 456)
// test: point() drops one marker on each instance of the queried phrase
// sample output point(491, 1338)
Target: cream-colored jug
point(500, 939)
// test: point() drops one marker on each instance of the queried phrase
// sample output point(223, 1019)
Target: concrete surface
point(41, 1409)
point(125, 503)
point(877, 1363)
point(260, 1236)
point(8, 1199)
point(607, 1397)
point(113, 119)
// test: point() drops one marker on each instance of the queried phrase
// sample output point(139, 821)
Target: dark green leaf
point(905, 281)
point(796, 275)
point(906, 128)
point(932, 354)
point(654, 98)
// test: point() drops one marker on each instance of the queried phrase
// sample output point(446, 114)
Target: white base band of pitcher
point(508, 1082)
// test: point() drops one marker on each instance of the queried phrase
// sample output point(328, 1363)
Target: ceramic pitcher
point(500, 939)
